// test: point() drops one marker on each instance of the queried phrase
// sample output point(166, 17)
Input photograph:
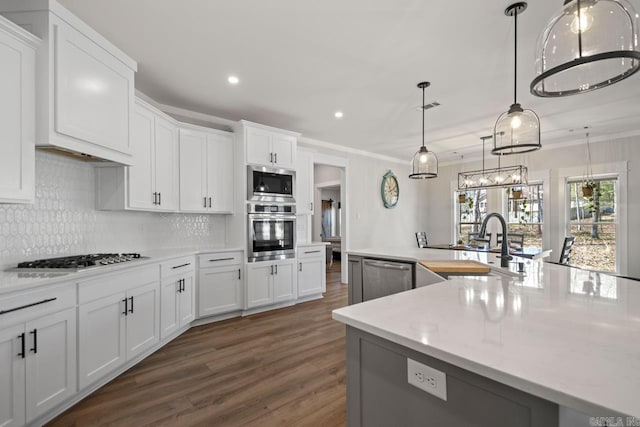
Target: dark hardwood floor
point(281, 368)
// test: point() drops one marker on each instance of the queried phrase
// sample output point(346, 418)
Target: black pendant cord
point(422, 116)
point(579, 30)
point(515, 57)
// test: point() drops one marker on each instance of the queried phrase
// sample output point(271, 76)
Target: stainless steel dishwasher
point(381, 278)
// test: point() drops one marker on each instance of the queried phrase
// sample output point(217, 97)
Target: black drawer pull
point(131, 309)
point(181, 265)
point(221, 259)
point(22, 352)
point(126, 309)
point(35, 341)
point(312, 252)
point(22, 307)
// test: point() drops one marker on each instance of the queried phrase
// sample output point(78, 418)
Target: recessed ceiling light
point(233, 80)
point(338, 114)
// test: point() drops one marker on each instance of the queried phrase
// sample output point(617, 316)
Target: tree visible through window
point(593, 222)
point(472, 208)
point(525, 213)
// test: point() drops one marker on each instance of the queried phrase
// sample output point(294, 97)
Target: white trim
point(268, 128)
point(332, 183)
point(19, 33)
point(619, 169)
point(341, 148)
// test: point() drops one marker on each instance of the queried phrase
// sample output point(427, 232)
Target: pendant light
point(425, 162)
point(587, 45)
point(521, 127)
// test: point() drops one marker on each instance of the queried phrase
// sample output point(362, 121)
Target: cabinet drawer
point(307, 252)
point(23, 306)
point(219, 259)
point(177, 266)
point(122, 281)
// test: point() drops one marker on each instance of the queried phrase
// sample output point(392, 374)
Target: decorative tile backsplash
point(63, 220)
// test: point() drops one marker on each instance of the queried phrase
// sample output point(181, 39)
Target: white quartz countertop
point(11, 281)
point(564, 334)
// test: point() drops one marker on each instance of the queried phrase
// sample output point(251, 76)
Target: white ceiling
point(300, 61)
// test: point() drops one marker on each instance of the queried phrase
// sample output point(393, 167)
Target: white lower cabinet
point(270, 282)
point(37, 366)
point(118, 326)
point(178, 304)
point(220, 284)
point(311, 271)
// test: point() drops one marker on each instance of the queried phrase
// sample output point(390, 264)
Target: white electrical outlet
point(428, 379)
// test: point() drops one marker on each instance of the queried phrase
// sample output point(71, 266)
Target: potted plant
point(516, 192)
point(587, 188)
point(462, 197)
point(588, 184)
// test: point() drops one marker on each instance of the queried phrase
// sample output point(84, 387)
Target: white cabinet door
point(12, 376)
point(284, 281)
point(284, 151)
point(166, 164)
point(187, 300)
point(143, 319)
point(17, 121)
point(141, 173)
point(93, 91)
point(259, 150)
point(51, 361)
point(220, 173)
point(102, 338)
point(310, 272)
point(259, 284)
point(220, 290)
point(304, 183)
point(193, 173)
point(169, 311)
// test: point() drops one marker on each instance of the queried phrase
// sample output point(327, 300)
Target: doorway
point(329, 222)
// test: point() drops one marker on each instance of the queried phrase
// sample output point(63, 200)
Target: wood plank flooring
point(281, 368)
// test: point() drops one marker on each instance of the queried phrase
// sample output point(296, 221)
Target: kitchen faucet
point(504, 253)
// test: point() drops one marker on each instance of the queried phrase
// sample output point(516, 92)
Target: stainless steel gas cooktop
point(75, 262)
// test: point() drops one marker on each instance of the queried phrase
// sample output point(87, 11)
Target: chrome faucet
point(504, 253)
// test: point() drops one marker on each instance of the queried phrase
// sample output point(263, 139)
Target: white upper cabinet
point(85, 84)
point(206, 170)
point(304, 183)
point(151, 182)
point(267, 146)
point(17, 113)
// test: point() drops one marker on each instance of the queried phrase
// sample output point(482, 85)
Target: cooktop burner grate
point(78, 262)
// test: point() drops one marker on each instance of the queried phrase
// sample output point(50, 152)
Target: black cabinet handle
point(276, 156)
point(126, 309)
point(22, 353)
point(131, 309)
point(272, 270)
point(179, 285)
point(220, 259)
point(270, 157)
point(22, 307)
point(239, 277)
point(155, 199)
point(159, 198)
point(205, 201)
point(311, 204)
point(181, 265)
point(312, 252)
point(209, 201)
point(300, 268)
point(276, 268)
point(35, 341)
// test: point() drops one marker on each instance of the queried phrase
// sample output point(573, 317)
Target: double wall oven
point(272, 232)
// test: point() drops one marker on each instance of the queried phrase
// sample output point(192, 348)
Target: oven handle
point(272, 216)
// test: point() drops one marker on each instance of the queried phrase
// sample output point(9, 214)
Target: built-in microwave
point(270, 184)
point(272, 232)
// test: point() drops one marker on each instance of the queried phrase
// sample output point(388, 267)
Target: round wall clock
point(390, 190)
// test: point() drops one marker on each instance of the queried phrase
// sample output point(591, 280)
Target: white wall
point(63, 220)
point(369, 222)
point(555, 162)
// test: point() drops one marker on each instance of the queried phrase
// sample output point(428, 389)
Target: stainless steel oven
point(270, 184)
point(272, 232)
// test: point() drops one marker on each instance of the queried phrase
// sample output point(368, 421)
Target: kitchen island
point(560, 340)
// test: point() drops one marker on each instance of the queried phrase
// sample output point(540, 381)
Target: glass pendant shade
point(516, 131)
point(587, 45)
point(425, 164)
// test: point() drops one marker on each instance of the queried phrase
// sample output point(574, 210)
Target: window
point(525, 213)
point(472, 208)
point(593, 221)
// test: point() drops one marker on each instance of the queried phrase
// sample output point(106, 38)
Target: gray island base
point(378, 393)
